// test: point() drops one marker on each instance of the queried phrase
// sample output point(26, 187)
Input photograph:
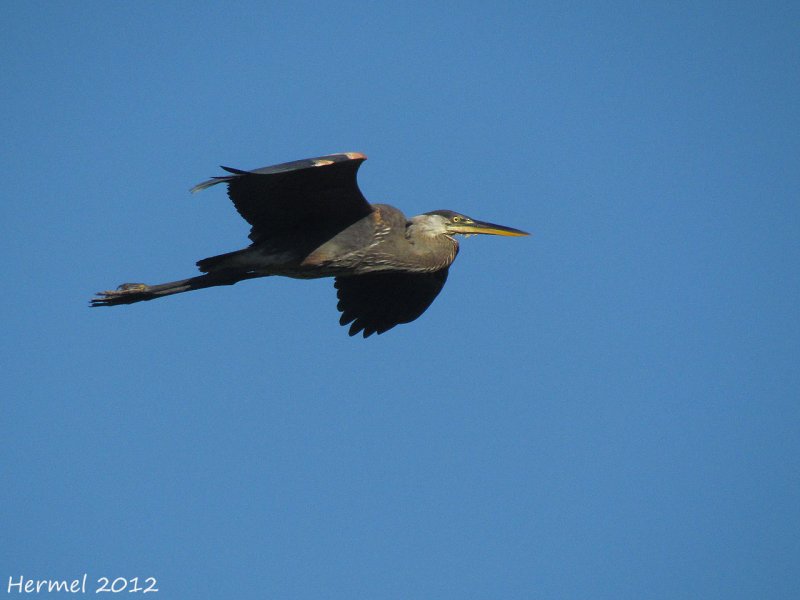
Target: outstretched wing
point(315, 194)
point(377, 302)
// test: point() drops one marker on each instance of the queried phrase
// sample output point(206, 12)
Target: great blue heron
point(309, 220)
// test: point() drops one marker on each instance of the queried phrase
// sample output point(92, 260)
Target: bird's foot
point(124, 294)
point(130, 287)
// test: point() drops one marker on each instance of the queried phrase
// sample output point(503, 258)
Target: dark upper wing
point(319, 194)
point(377, 302)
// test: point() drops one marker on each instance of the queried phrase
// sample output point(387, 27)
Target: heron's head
point(456, 223)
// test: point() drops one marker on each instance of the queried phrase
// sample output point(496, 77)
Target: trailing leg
point(128, 293)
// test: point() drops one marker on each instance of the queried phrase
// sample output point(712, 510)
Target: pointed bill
point(486, 228)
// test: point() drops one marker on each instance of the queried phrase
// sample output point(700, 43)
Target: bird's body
point(383, 240)
point(310, 220)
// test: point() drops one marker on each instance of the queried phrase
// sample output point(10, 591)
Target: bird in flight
point(309, 219)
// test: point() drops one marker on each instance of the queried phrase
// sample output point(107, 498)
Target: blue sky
point(607, 409)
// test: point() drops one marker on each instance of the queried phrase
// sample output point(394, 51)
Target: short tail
point(128, 293)
point(223, 262)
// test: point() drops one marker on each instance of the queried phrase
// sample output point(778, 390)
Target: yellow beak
point(484, 227)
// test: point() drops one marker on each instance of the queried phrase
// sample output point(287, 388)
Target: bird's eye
point(456, 219)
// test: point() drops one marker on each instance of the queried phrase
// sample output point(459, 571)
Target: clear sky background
point(607, 409)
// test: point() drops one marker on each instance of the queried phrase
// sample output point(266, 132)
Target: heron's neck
point(428, 237)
